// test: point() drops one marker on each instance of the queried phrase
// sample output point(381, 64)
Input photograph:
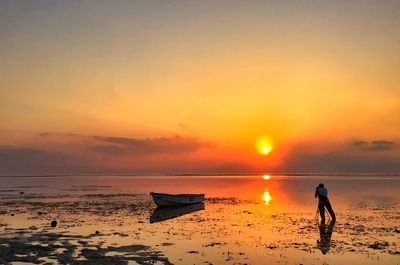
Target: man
point(322, 193)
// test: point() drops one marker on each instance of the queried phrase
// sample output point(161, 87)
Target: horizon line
point(208, 174)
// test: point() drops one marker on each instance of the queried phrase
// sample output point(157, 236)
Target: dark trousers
point(321, 207)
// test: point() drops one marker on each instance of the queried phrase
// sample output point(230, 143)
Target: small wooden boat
point(163, 199)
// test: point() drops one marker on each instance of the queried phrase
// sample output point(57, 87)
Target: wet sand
point(97, 226)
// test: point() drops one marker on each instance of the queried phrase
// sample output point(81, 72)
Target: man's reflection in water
point(325, 233)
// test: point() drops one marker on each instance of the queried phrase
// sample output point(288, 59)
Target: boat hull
point(163, 199)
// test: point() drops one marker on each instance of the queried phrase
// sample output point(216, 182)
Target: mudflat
point(244, 220)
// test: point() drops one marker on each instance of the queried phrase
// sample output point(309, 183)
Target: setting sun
point(266, 177)
point(265, 150)
point(264, 145)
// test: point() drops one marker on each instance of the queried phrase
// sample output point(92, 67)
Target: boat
point(164, 199)
point(169, 212)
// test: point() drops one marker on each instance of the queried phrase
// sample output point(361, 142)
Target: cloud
point(133, 146)
point(356, 156)
point(359, 143)
point(126, 146)
point(26, 160)
point(70, 153)
point(43, 134)
point(182, 125)
point(340, 162)
point(10, 151)
point(110, 158)
point(375, 145)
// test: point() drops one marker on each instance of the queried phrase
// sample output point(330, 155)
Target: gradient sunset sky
point(194, 86)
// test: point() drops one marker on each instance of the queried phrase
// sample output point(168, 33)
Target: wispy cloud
point(375, 145)
point(128, 146)
point(58, 152)
point(34, 160)
point(133, 146)
point(340, 162)
point(379, 155)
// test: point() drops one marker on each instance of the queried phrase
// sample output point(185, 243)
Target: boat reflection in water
point(169, 212)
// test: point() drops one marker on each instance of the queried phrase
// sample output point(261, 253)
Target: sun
point(264, 145)
point(265, 150)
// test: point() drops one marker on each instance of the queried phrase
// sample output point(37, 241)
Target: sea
point(245, 219)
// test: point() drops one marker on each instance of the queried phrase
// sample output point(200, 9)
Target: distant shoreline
point(202, 174)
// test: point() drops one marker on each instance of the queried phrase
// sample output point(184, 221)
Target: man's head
point(321, 185)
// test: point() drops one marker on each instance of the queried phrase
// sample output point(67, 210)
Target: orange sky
point(320, 79)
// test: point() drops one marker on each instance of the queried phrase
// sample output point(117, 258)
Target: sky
point(199, 86)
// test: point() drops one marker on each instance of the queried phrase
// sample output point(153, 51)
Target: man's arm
point(316, 192)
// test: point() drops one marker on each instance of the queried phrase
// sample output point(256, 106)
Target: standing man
point(322, 193)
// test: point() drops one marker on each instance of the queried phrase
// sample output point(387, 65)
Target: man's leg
point(330, 210)
point(321, 212)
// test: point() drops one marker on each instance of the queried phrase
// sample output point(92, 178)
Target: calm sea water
point(245, 220)
point(298, 191)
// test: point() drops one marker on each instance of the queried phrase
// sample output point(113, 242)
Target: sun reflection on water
point(266, 177)
point(266, 197)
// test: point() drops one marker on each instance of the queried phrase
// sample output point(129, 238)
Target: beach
point(200, 132)
point(244, 220)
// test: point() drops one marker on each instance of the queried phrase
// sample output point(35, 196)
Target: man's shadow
point(325, 234)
